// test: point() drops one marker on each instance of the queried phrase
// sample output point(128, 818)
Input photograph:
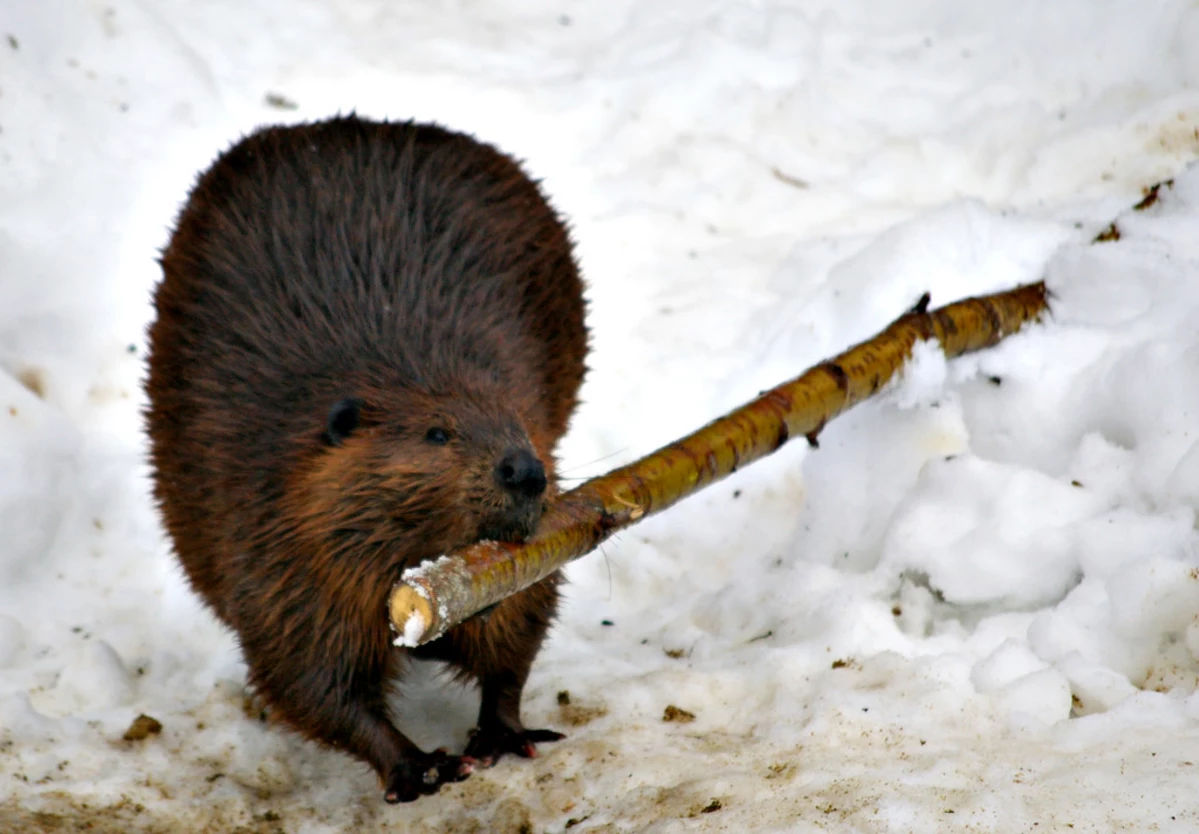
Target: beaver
point(369, 337)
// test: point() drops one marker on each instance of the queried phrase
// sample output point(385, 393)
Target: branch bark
point(441, 593)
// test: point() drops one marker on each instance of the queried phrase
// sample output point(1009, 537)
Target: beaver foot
point(416, 776)
point(488, 743)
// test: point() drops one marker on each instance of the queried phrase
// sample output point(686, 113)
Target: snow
point(973, 608)
point(414, 629)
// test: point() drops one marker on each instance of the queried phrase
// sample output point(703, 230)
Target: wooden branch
point(441, 593)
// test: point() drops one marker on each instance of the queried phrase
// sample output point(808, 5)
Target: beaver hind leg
point(497, 650)
point(338, 697)
point(359, 724)
point(500, 729)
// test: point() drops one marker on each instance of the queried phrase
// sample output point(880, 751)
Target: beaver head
point(419, 473)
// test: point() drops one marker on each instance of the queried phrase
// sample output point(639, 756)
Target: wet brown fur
point(422, 273)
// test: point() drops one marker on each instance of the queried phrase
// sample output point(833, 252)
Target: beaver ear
point(343, 418)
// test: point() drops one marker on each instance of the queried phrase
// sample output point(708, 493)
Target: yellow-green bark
point(440, 594)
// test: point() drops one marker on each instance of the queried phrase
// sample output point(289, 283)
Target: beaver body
point(369, 338)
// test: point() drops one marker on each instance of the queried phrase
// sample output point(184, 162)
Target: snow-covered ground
point(974, 608)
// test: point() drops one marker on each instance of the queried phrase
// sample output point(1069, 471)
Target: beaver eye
point(437, 436)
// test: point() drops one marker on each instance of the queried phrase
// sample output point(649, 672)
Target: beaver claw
point(425, 774)
point(488, 744)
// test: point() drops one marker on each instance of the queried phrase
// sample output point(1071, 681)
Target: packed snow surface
point(973, 608)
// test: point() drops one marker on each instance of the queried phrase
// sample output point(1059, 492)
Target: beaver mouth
point(511, 524)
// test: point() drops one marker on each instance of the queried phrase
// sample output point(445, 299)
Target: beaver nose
point(521, 473)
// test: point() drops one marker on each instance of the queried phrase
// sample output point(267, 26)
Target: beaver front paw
point(417, 776)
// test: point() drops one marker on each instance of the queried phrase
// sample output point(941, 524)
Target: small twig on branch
point(441, 593)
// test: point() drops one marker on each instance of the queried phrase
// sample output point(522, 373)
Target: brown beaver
point(369, 338)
